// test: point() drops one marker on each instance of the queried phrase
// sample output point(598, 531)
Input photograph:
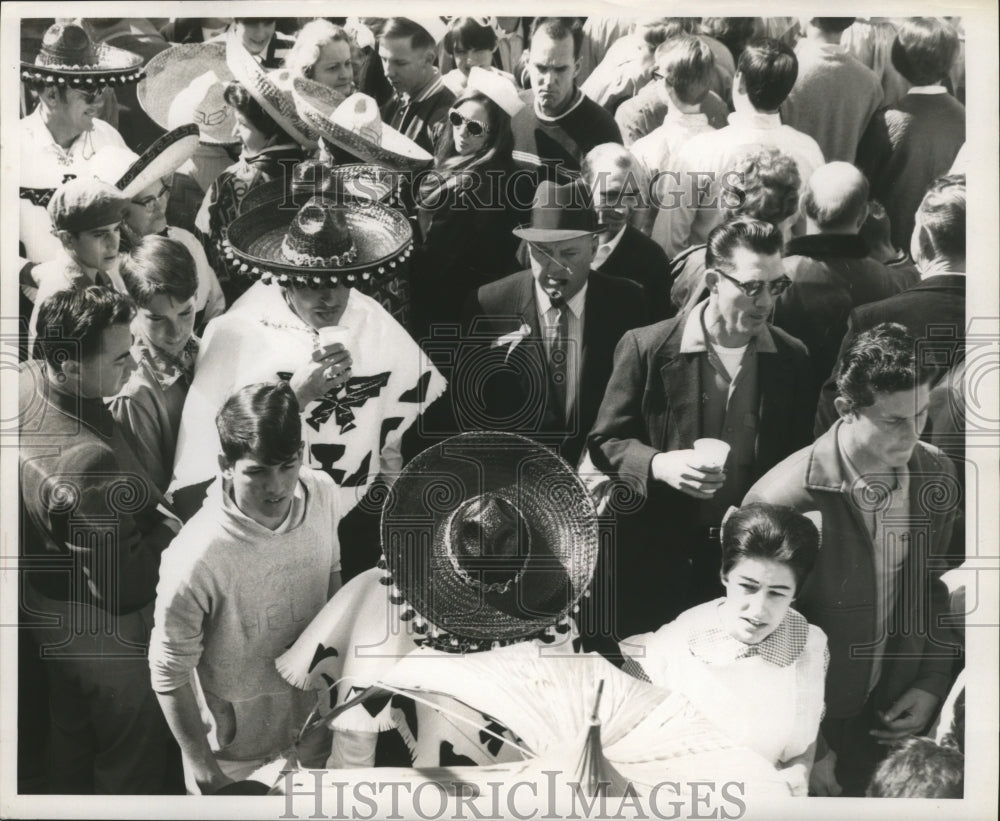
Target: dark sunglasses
point(753, 287)
point(476, 128)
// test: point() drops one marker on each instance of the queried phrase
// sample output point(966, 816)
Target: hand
point(823, 778)
point(685, 470)
point(330, 367)
point(910, 714)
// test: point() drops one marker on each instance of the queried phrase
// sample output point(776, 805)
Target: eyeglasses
point(476, 128)
point(753, 287)
point(89, 97)
point(150, 202)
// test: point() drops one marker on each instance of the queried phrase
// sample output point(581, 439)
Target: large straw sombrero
point(490, 538)
point(70, 59)
point(184, 84)
point(321, 245)
point(131, 172)
point(356, 126)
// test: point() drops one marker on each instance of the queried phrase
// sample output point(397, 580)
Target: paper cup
point(712, 451)
point(333, 334)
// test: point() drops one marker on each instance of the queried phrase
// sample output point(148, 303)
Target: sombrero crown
point(342, 183)
point(69, 58)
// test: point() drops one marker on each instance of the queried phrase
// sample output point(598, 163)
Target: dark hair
point(469, 34)
point(769, 68)
point(686, 63)
point(262, 421)
point(877, 227)
point(768, 186)
point(237, 95)
point(500, 138)
point(940, 219)
point(656, 33)
point(773, 532)
point(742, 232)
point(924, 50)
point(159, 265)
point(559, 28)
point(71, 322)
point(882, 360)
point(832, 215)
point(403, 28)
point(256, 20)
point(733, 32)
point(919, 768)
point(832, 25)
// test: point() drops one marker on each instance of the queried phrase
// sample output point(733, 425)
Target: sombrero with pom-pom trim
point(70, 59)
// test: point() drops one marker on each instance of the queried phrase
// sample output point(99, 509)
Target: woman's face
point(254, 140)
point(465, 58)
point(319, 307)
point(147, 211)
point(758, 594)
point(465, 142)
point(333, 68)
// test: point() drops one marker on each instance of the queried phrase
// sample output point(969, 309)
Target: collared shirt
point(935, 89)
point(548, 318)
point(658, 148)
point(606, 249)
point(547, 118)
point(713, 645)
point(436, 84)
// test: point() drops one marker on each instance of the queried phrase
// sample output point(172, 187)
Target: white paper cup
point(712, 452)
point(332, 334)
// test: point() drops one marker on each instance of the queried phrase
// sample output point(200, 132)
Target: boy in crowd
point(238, 585)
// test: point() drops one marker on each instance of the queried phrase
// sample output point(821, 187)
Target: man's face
point(77, 111)
point(102, 374)
point(319, 307)
point(888, 431)
point(261, 491)
point(166, 323)
point(407, 69)
point(553, 69)
point(615, 194)
point(147, 211)
point(561, 268)
point(744, 315)
point(95, 248)
point(255, 34)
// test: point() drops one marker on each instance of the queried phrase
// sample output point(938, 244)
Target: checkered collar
point(713, 645)
point(166, 368)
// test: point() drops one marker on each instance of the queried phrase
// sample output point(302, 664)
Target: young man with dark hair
point(259, 36)
point(242, 579)
point(879, 573)
point(92, 530)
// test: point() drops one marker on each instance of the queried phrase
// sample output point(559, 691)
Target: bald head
point(835, 200)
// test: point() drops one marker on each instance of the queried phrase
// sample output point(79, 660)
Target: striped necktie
point(559, 354)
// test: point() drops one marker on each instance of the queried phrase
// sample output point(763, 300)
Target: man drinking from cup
point(697, 407)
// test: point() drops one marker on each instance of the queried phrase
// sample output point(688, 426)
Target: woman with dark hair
point(462, 211)
point(471, 42)
point(749, 662)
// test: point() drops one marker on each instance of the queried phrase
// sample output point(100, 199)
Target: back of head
point(559, 28)
point(743, 232)
point(772, 532)
point(262, 422)
point(769, 69)
point(403, 28)
point(686, 64)
point(919, 768)
point(884, 359)
point(939, 230)
point(924, 50)
point(832, 25)
point(836, 197)
point(71, 322)
point(763, 185)
point(732, 32)
point(159, 265)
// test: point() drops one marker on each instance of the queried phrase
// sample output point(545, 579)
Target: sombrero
point(184, 84)
point(131, 172)
point(69, 58)
point(489, 538)
point(323, 244)
point(356, 126)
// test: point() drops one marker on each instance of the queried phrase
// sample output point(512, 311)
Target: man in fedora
point(538, 344)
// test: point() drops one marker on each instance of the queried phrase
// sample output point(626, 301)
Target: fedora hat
point(184, 84)
point(559, 212)
point(356, 126)
point(70, 59)
point(321, 245)
point(489, 538)
point(131, 172)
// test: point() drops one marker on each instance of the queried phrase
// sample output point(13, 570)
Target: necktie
point(559, 355)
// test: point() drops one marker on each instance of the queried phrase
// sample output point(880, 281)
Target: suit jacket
point(513, 379)
point(638, 258)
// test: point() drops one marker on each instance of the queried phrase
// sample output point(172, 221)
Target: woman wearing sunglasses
point(464, 224)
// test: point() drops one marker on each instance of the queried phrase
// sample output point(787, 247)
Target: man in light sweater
point(835, 95)
point(237, 586)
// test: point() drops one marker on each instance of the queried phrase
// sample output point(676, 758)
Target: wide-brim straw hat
point(369, 240)
point(185, 83)
point(438, 502)
point(356, 126)
point(70, 59)
point(364, 182)
point(132, 173)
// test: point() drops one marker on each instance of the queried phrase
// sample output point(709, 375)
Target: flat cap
point(86, 203)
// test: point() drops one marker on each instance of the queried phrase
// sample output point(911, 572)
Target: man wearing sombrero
point(59, 138)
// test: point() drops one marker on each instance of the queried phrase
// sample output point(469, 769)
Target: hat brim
point(551, 234)
point(549, 495)
point(383, 238)
point(168, 153)
point(361, 182)
point(173, 70)
point(114, 67)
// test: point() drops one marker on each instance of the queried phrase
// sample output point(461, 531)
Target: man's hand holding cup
point(699, 471)
point(329, 368)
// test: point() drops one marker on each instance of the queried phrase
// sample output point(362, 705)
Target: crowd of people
point(689, 293)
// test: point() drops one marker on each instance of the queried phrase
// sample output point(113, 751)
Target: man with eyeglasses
point(720, 371)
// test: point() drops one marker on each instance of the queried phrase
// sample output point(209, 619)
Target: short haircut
point(260, 421)
point(881, 360)
point(742, 232)
point(940, 219)
point(559, 28)
point(469, 34)
point(733, 32)
point(772, 532)
point(256, 20)
point(833, 25)
point(302, 56)
point(919, 768)
point(159, 265)
point(832, 214)
point(237, 95)
point(71, 322)
point(655, 33)
point(403, 28)
point(686, 63)
point(769, 185)
point(877, 227)
point(607, 156)
point(924, 50)
point(769, 68)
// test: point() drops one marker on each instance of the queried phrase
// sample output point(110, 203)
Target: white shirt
point(657, 148)
point(936, 89)
point(606, 249)
point(548, 318)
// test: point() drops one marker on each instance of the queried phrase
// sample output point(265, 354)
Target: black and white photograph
point(588, 416)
